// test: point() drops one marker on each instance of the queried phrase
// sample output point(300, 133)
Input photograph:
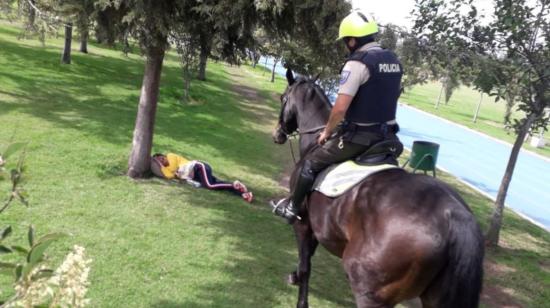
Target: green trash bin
point(423, 156)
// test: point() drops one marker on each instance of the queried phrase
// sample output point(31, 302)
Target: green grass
point(461, 109)
point(156, 244)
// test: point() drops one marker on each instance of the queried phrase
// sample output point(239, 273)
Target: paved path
point(480, 161)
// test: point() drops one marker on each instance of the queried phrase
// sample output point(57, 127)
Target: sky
point(387, 11)
point(398, 11)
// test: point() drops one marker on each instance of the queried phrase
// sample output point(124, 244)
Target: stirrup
point(282, 209)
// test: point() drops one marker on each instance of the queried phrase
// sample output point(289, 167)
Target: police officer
point(364, 112)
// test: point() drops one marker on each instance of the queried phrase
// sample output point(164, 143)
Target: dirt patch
point(545, 265)
point(498, 296)
point(285, 176)
point(495, 269)
point(250, 94)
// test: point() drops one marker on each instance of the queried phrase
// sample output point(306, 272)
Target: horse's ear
point(290, 77)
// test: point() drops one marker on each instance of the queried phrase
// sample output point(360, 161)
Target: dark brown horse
point(400, 235)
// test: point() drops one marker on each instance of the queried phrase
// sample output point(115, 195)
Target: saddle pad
point(338, 178)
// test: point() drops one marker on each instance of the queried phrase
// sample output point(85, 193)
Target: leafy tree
point(77, 12)
point(36, 17)
point(306, 34)
point(152, 21)
point(85, 10)
point(388, 36)
point(186, 46)
point(411, 52)
point(197, 27)
point(515, 50)
point(273, 47)
point(45, 16)
point(449, 83)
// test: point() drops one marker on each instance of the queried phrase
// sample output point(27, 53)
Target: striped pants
point(202, 173)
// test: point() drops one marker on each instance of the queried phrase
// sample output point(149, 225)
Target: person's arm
point(185, 171)
point(336, 116)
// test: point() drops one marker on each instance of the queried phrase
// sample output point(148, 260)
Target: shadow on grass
point(73, 96)
point(505, 285)
point(264, 253)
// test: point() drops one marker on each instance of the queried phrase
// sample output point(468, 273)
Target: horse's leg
point(363, 300)
point(363, 281)
point(306, 248)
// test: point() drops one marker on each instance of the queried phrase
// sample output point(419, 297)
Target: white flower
point(31, 292)
point(67, 287)
point(72, 279)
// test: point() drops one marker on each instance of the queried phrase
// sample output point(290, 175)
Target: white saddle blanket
point(338, 178)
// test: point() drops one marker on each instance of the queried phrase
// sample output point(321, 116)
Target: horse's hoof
point(292, 279)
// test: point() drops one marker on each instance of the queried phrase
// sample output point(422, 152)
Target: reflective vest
point(376, 99)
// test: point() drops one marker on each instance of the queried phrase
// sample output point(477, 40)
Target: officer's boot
point(290, 209)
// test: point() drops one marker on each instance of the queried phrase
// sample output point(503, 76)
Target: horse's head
point(298, 92)
point(288, 122)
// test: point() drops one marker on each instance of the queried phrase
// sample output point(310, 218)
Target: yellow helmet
point(357, 24)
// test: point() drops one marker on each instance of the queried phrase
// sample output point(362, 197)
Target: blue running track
point(478, 160)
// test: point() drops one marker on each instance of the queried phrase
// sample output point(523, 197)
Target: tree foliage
point(388, 36)
point(187, 47)
point(303, 34)
point(228, 27)
point(509, 53)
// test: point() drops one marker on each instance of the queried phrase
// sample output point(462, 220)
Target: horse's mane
point(312, 89)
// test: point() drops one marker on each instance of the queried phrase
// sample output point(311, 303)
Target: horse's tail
point(463, 275)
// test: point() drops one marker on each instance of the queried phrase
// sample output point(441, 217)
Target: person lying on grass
point(195, 172)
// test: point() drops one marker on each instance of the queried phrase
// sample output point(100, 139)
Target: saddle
point(383, 152)
point(339, 178)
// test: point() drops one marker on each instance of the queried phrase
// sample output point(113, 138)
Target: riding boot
point(290, 209)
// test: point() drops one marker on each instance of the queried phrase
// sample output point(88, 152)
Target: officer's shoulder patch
point(344, 77)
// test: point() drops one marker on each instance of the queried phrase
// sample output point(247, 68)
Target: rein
point(298, 133)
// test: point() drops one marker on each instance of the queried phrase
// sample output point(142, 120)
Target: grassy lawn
point(461, 109)
point(156, 244)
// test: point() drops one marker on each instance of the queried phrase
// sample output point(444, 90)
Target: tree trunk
point(139, 161)
point(84, 44)
point(254, 56)
point(186, 78)
point(263, 73)
point(84, 35)
point(275, 61)
point(478, 106)
point(439, 97)
point(493, 233)
point(32, 14)
point(202, 67)
point(205, 52)
point(66, 57)
point(187, 86)
point(126, 44)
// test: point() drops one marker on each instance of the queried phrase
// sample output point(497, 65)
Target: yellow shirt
point(174, 162)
